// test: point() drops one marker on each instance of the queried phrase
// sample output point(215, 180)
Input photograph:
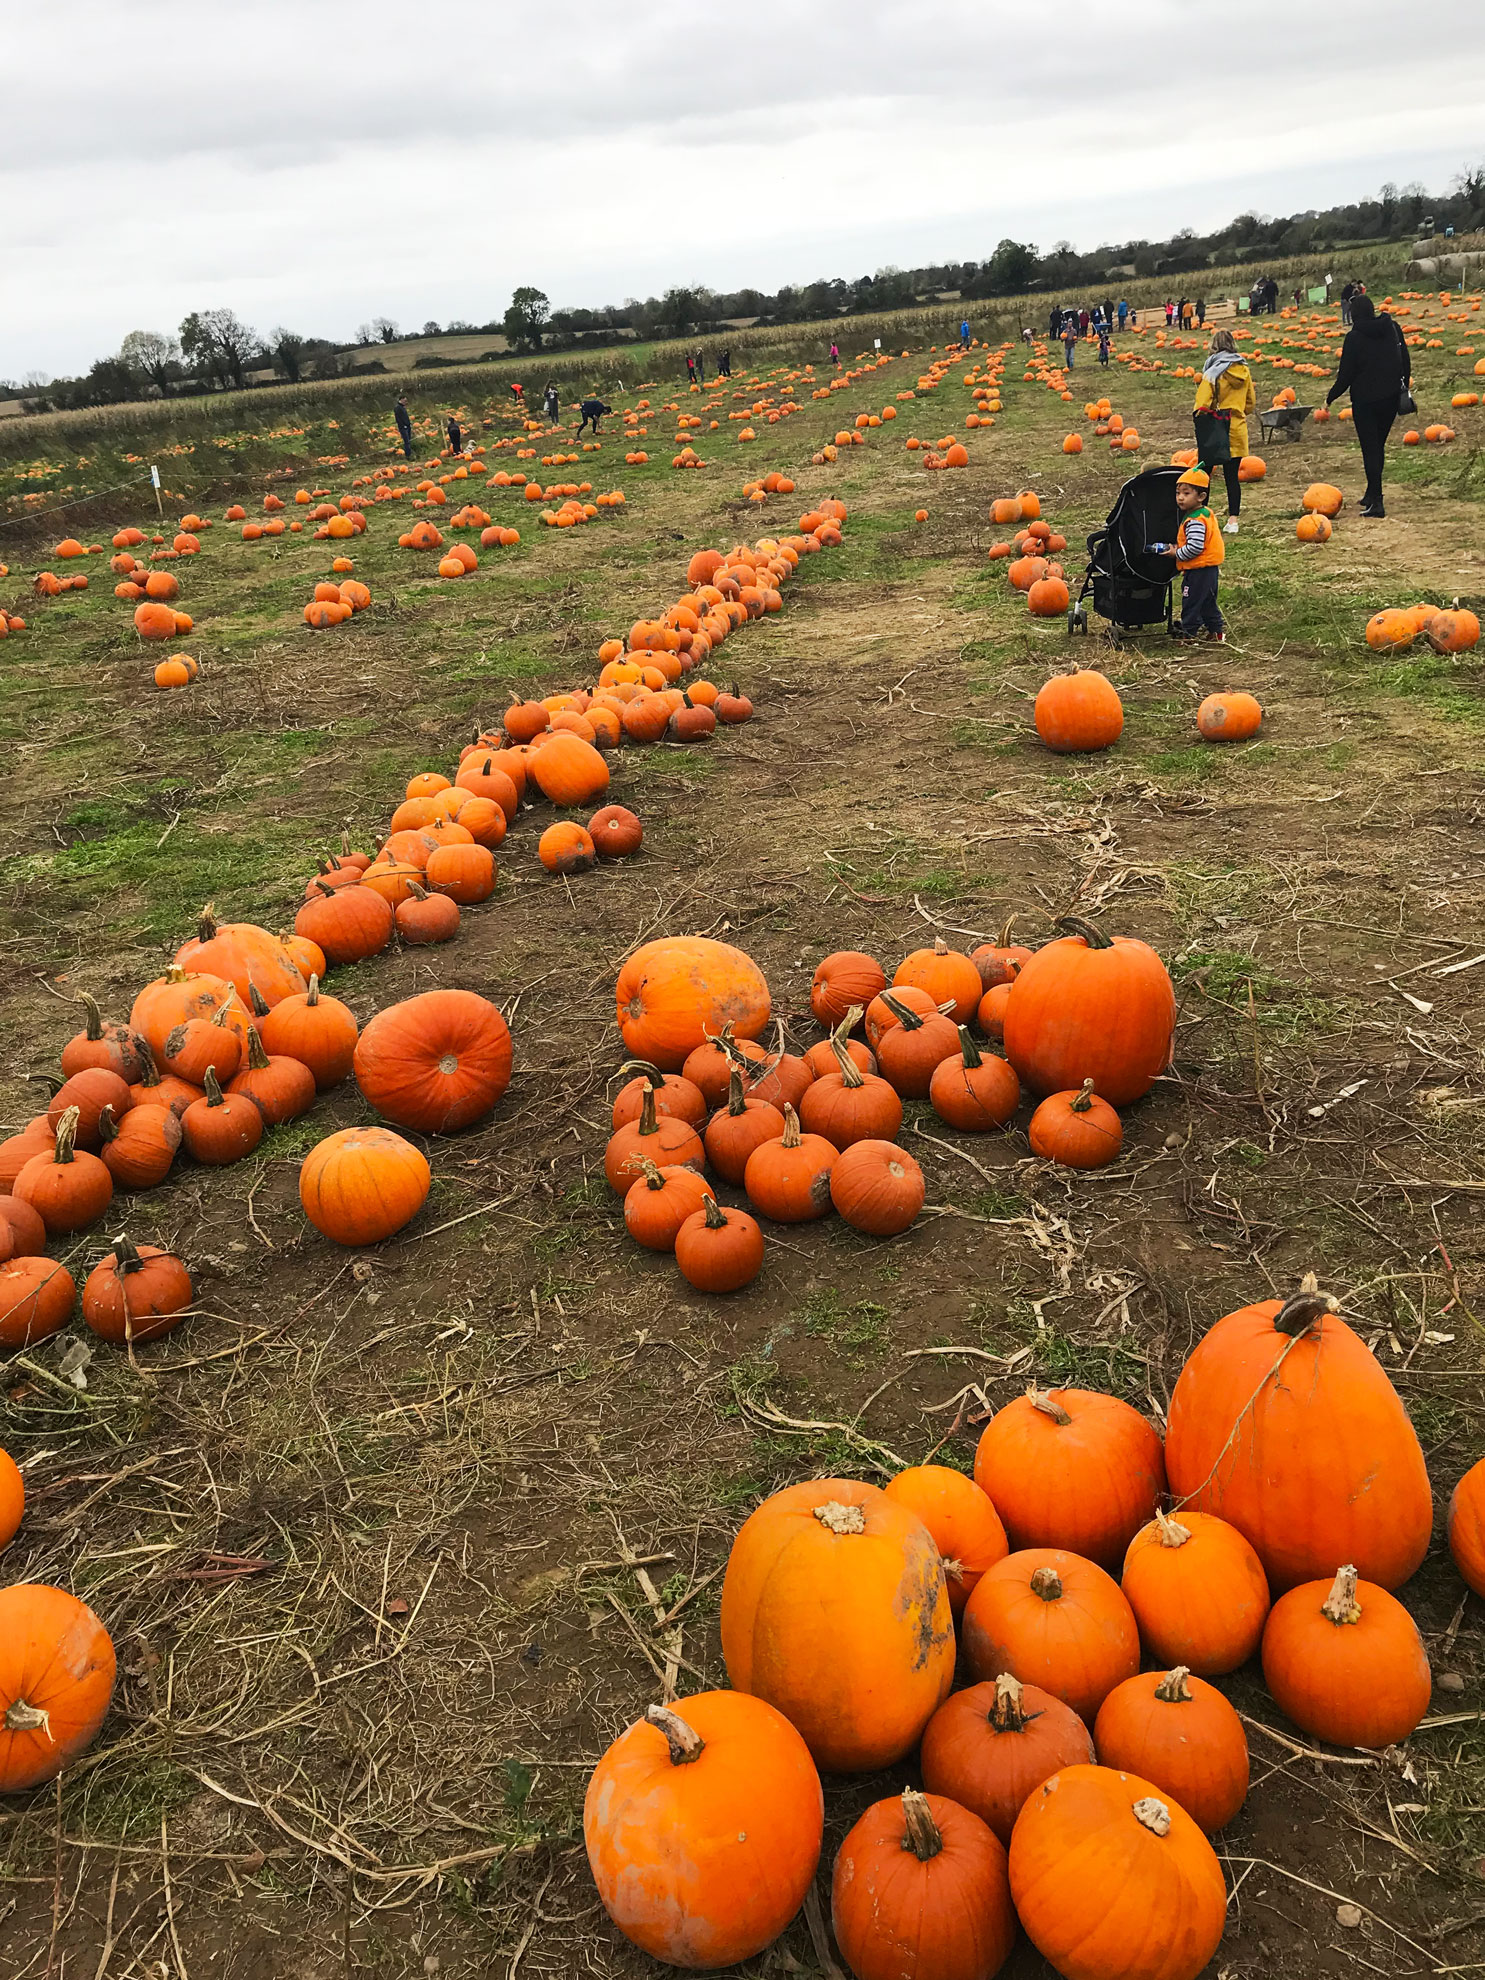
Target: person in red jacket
point(1198, 552)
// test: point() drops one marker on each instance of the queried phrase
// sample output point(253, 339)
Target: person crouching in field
point(592, 411)
point(1224, 398)
point(1198, 552)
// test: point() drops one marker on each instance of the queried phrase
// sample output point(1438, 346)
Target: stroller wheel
point(1077, 620)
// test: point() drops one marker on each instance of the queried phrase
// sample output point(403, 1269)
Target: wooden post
point(155, 484)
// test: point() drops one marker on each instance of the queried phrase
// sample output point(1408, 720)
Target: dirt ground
point(392, 1544)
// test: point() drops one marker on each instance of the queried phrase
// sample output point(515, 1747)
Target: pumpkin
point(845, 979)
point(665, 1140)
point(615, 832)
point(67, 1187)
point(435, 1062)
point(1076, 1129)
point(1112, 1882)
point(1181, 1733)
point(787, 1177)
point(711, 1066)
point(821, 1056)
point(834, 1609)
point(965, 1526)
point(221, 1127)
point(569, 771)
point(152, 1089)
point(425, 918)
point(203, 1045)
point(1321, 498)
point(56, 1679)
point(990, 1016)
point(659, 1201)
point(1071, 1468)
point(141, 1150)
point(703, 1823)
point(37, 1296)
point(921, 1891)
point(947, 976)
point(991, 1746)
point(12, 1498)
point(717, 1250)
point(974, 1092)
point(87, 1094)
point(244, 955)
point(135, 1293)
point(1467, 1526)
point(317, 1030)
point(999, 962)
point(1053, 1619)
point(1453, 632)
point(463, 873)
point(877, 1187)
point(1284, 1423)
point(671, 994)
point(108, 1045)
point(1198, 1592)
point(1078, 712)
point(1344, 1660)
point(22, 1233)
point(882, 1011)
point(566, 848)
point(783, 1077)
point(1090, 1007)
point(735, 1130)
point(281, 1088)
point(850, 1105)
point(675, 1095)
point(1229, 717)
point(911, 1050)
point(1390, 631)
point(363, 1184)
point(348, 923)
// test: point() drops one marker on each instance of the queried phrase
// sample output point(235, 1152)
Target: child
point(1198, 553)
point(1103, 342)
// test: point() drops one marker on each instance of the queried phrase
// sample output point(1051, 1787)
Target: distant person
point(1103, 343)
point(518, 393)
point(1026, 333)
point(1170, 310)
point(1134, 316)
point(834, 353)
point(701, 366)
point(1224, 398)
point(1069, 340)
point(592, 410)
point(1201, 313)
point(691, 367)
point(1054, 321)
point(1346, 294)
point(1376, 368)
point(552, 405)
point(724, 365)
point(1123, 312)
point(1198, 554)
point(456, 436)
point(1083, 321)
point(404, 424)
point(1273, 295)
point(964, 334)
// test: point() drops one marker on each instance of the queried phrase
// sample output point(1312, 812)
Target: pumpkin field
point(717, 1251)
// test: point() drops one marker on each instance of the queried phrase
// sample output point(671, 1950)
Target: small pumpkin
point(1229, 717)
point(717, 1250)
point(1079, 1130)
point(736, 1130)
point(991, 1746)
point(140, 1152)
point(965, 1526)
point(56, 1679)
point(222, 1127)
point(112, 1046)
point(1466, 1526)
point(675, 1095)
point(136, 1293)
point(281, 1088)
point(664, 1140)
point(911, 1050)
point(999, 962)
point(317, 1030)
point(877, 1187)
point(1052, 1619)
point(22, 1233)
point(12, 1498)
point(976, 1091)
point(67, 1187)
point(921, 1891)
point(947, 976)
point(201, 1045)
point(87, 1094)
point(425, 918)
point(363, 1184)
point(436, 1062)
point(348, 923)
point(1345, 1662)
point(615, 832)
point(659, 1201)
point(1181, 1733)
point(845, 979)
point(787, 1176)
point(37, 1296)
point(1198, 1592)
point(1071, 1468)
point(882, 1013)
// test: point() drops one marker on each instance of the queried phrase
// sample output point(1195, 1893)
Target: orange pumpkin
point(991, 1746)
point(1198, 1592)
point(56, 1679)
point(1052, 1619)
point(1071, 1468)
point(1467, 1526)
point(1345, 1661)
point(436, 1062)
point(1079, 712)
point(674, 993)
point(965, 1526)
point(363, 1184)
point(1229, 717)
point(1179, 1732)
point(1090, 1007)
point(921, 1888)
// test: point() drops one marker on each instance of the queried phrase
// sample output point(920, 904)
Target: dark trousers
point(1373, 419)
point(1199, 607)
point(406, 444)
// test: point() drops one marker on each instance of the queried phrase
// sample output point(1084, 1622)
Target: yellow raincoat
point(1234, 395)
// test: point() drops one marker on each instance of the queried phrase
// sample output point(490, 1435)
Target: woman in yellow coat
point(1224, 398)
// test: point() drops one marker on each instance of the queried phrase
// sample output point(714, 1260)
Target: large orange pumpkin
point(675, 993)
point(1071, 1468)
point(703, 1825)
point(921, 1891)
point(834, 1609)
point(435, 1062)
point(568, 770)
point(56, 1678)
point(363, 1184)
point(1090, 1007)
point(1112, 1881)
point(1078, 712)
point(1052, 1619)
point(246, 956)
point(1344, 1660)
point(1181, 1733)
point(1284, 1423)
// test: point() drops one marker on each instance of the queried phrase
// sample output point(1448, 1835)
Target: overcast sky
point(314, 163)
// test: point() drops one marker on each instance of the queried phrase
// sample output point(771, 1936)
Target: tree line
point(214, 351)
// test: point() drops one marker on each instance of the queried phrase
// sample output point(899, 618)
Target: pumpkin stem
point(953, 1570)
point(849, 1023)
point(1009, 1714)
point(652, 1176)
point(648, 1124)
point(1043, 1400)
point(973, 1056)
point(1309, 1305)
point(328, 892)
point(149, 1072)
point(736, 1099)
point(126, 1254)
point(684, 1742)
point(1084, 1100)
point(23, 1718)
point(790, 1138)
point(206, 926)
point(922, 1835)
point(1172, 1533)
point(107, 1126)
point(93, 1018)
point(1173, 1688)
point(716, 1217)
point(175, 973)
point(1152, 1815)
point(840, 1520)
point(652, 1073)
point(257, 1057)
point(850, 1073)
point(345, 843)
point(1047, 1583)
point(1005, 931)
point(1341, 1605)
point(67, 1134)
point(257, 1002)
point(906, 1016)
point(1072, 924)
point(940, 946)
point(312, 994)
point(418, 893)
point(214, 1093)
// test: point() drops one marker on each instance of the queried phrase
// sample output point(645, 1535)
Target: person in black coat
point(456, 436)
point(1376, 368)
point(404, 425)
point(592, 411)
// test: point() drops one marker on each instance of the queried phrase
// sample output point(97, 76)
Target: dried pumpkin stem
point(1008, 1713)
point(214, 1093)
point(1301, 1312)
point(921, 1833)
point(652, 1073)
point(67, 1134)
point(257, 1057)
point(973, 1056)
point(312, 994)
point(1341, 1605)
point(716, 1217)
point(1072, 924)
point(1084, 1100)
point(92, 1018)
point(648, 1122)
point(1152, 1815)
point(685, 1743)
point(840, 1520)
point(652, 1176)
point(737, 1102)
point(126, 1254)
point(257, 1002)
point(848, 1024)
point(149, 1072)
point(23, 1718)
point(1047, 1583)
point(851, 1074)
point(1173, 1688)
point(906, 1016)
point(1171, 1531)
point(206, 926)
point(790, 1138)
point(1046, 1402)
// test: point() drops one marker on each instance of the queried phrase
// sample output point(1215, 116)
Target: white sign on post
point(154, 477)
point(878, 342)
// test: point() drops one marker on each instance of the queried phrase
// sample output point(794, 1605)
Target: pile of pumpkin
point(1033, 569)
point(1085, 1022)
point(1065, 1792)
point(332, 603)
point(1445, 629)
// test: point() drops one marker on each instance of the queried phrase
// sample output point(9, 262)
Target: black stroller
point(1130, 587)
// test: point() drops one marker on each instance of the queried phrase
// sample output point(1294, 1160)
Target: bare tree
point(364, 333)
point(385, 328)
point(156, 356)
